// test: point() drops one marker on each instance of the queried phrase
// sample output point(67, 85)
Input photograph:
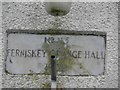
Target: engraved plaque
point(79, 53)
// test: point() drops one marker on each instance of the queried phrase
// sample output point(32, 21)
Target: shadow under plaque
point(76, 52)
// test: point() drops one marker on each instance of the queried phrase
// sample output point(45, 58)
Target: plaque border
point(56, 32)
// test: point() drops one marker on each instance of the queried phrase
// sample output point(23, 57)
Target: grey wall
point(119, 42)
point(82, 17)
point(1, 45)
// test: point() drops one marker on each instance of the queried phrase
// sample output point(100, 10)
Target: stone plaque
point(76, 53)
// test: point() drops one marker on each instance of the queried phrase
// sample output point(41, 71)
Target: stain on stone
point(48, 85)
point(57, 12)
point(45, 85)
point(62, 52)
point(81, 65)
point(6, 71)
point(31, 71)
point(11, 61)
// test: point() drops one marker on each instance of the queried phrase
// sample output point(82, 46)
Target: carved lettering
point(42, 53)
point(53, 39)
point(26, 53)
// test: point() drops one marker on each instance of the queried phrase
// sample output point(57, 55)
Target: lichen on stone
point(45, 85)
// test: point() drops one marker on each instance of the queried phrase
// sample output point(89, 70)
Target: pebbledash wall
point(89, 16)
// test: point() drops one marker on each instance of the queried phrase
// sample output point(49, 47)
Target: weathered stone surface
point(75, 54)
point(94, 16)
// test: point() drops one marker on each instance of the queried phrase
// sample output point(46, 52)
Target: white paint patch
point(53, 85)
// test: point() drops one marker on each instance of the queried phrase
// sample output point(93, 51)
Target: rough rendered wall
point(119, 43)
point(1, 45)
point(82, 17)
